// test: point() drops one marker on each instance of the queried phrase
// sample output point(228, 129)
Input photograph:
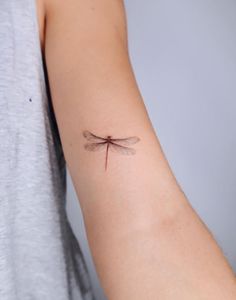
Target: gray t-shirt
point(40, 258)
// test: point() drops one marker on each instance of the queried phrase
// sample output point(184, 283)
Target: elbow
point(160, 223)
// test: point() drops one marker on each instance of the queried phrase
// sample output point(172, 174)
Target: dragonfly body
point(97, 143)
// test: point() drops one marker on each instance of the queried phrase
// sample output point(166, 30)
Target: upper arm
point(93, 88)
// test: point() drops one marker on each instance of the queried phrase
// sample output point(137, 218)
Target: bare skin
point(146, 240)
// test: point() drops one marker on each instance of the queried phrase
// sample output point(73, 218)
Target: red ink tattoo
point(97, 143)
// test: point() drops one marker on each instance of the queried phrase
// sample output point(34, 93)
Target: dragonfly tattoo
point(97, 143)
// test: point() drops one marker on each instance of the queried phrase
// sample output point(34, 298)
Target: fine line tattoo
point(97, 143)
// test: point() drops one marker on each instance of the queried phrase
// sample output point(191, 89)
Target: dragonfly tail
point(106, 157)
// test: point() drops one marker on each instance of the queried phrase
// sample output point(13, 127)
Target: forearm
point(174, 259)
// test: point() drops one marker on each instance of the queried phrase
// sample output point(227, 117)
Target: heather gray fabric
point(40, 257)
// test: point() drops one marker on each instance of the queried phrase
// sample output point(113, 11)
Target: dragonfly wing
point(92, 137)
point(121, 149)
point(95, 146)
point(127, 141)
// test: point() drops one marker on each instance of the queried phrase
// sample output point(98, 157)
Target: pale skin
point(146, 240)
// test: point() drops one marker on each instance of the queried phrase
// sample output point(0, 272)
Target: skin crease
point(146, 240)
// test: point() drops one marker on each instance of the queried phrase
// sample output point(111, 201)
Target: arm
point(146, 240)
